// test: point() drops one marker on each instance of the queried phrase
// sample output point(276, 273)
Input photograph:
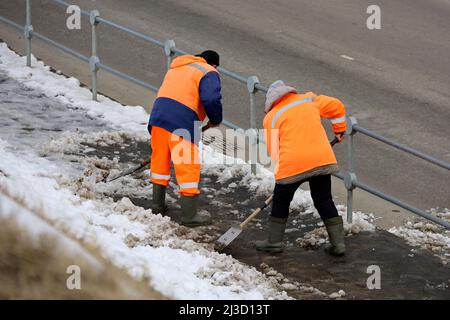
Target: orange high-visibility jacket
point(190, 91)
point(295, 137)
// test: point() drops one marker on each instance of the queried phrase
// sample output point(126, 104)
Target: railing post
point(28, 32)
point(252, 81)
point(94, 60)
point(350, 176)
point(169, 45)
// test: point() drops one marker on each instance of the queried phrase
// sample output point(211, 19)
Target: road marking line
point(347, 57)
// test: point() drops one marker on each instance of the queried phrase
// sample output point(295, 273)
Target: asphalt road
point(395, 80)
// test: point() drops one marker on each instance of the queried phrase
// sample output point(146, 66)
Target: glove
point(339, 136)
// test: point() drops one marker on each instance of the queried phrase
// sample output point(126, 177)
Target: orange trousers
point(167, 147)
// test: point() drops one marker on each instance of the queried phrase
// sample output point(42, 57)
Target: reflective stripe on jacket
point(191, 90)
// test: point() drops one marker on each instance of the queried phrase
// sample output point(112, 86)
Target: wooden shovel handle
point(255, 213)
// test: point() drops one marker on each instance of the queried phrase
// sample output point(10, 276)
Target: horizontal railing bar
point(179, 51)
point(403, 147)
point(127, 77)
point(402, 204)
point(60, 46)
point(65, 4)
point(11, 23)
point(232, 75)
point(262, 88)
point(395, 201)
point(338, 175)
point(130, 31)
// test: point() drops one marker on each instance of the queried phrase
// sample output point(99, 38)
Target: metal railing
point(253, 87)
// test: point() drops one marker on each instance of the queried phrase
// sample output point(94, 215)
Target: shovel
point(130, 170)
point(234, 232)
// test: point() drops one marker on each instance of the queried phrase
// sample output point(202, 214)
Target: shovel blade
point(228, 237)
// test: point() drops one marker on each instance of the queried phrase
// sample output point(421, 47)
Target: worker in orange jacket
point(191, 90)
point(298, 144)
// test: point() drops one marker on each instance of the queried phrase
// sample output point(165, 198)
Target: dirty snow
point(68, 91)
point(426, 235)
point(149, 247)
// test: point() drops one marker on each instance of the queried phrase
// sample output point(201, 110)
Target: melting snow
point(427, 235)
point(149, 247)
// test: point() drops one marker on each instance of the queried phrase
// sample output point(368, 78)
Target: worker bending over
point(298, 144)
point(190, 91)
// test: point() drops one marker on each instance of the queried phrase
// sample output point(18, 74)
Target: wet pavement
point(29, 118)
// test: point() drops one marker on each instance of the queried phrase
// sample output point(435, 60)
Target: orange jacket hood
point(185, 60)
point(277, 90)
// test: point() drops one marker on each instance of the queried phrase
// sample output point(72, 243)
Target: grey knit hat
point(276, 91)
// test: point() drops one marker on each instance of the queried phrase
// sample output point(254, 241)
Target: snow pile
point(337, 295)
point(131, 237)
point(75, 146)
point(427, 235)
point(227, 168)
point(68, 91)
point(150, 247)
point(75, 142)
point(92, 183)
point(286, 284)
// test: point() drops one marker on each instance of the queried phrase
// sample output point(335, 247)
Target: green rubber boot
point(335, 229)
point(159, 199)
point(274, 243)
point(190, 218)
